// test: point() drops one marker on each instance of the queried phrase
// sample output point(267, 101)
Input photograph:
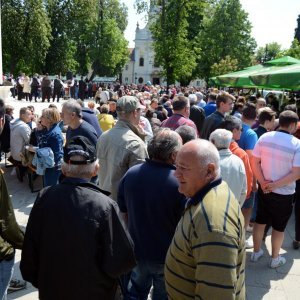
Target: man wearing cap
point(75, 245)
point(122, 146)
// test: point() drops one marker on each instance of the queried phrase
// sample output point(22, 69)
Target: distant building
point(141, 66)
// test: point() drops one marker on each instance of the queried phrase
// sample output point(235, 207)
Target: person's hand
point(265, 186)
point(271, 186)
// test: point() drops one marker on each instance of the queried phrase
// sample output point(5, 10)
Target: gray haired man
point(74, 238)
point(121, 147)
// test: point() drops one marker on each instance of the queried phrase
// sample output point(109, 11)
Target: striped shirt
point(206, 259)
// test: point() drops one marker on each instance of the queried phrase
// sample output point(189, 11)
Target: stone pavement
point(261, 281)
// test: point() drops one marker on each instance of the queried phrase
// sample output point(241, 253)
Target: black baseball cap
point(80, 145)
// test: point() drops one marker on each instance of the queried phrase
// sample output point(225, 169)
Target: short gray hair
point(73, 106)
point(79, 171)
point(163, 144)
point(221, 138)
point(187, 133)
point(207, 154)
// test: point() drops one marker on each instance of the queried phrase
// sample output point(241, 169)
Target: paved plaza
point(261, 281)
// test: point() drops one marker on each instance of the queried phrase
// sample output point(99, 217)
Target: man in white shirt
point(232, 167)
point(276, 165)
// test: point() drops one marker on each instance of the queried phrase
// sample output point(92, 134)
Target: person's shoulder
point(87, 126)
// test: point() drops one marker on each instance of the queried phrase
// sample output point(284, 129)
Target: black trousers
point(297, 211)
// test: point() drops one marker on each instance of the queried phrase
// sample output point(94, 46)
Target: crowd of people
point(148, 190)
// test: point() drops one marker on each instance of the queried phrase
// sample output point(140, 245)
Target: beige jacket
point(119, 149)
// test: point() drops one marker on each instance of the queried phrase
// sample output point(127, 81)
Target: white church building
point(141, 66)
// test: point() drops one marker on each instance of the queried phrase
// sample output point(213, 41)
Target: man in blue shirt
point(247, 142)
point(149, 199)
point(211, 105)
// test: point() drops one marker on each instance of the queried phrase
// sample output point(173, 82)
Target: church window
point(141, 62)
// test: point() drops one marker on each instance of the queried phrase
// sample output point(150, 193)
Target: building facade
point(141, 66)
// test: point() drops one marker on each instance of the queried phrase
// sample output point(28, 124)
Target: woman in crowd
point(106, 121)
point(52, 137)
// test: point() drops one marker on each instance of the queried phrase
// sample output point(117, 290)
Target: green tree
point(225, 66)
point(226, 31)
point(269, 52)
point(108, 48)
point(293, 51)
point(61, 55)
point(25, 41)
point(173, 34)
point(12, 34)
point(37, 34)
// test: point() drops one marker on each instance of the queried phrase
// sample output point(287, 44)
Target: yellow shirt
point(106, 121)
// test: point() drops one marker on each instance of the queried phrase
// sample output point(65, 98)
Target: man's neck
point(180, 112)
point(220, 111)
point(248, 122)
point(76, 124)
point(286, 129)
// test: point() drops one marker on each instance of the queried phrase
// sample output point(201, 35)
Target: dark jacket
point(5, 135)
point(197, 115)
point(75, 245)
point(89, 116)
point(211, 123)
point(11, 236)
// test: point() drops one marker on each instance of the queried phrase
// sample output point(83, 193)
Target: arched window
point(141, 62)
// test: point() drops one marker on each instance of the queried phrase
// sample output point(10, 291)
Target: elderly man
point(122, 146)
point(234, 124)
point(206, 259)
point(181, 113)
point(71, 115)
point(11, 236)
point(144, 204)
point(75, 245)
point(232, 167)
point(276, 164)
point(19, 138)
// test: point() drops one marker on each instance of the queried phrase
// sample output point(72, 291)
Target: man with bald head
point(206, 258)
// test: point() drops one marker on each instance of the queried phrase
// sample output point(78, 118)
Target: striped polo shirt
point(206, 259)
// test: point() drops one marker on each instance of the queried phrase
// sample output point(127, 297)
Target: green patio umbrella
point(282, 61)
point(242, 78)
point(239, 78)
point(286, 78)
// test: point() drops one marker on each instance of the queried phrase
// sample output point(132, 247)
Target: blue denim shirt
point(53, 138)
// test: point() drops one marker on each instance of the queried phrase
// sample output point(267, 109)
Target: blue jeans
point(6, 272)
point(51, 176)
point(142, 277)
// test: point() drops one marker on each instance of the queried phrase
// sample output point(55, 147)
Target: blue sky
point(272, 20)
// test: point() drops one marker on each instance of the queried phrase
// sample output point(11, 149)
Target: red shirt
point(236, 150)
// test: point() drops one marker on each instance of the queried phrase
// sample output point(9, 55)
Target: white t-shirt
point(279, 153)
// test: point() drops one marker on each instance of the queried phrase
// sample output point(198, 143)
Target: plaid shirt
point(177, 120)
